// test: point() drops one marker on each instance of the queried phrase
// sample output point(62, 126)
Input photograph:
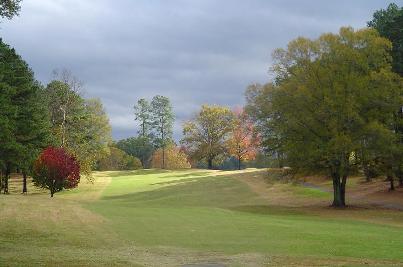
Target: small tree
point(243, 142)
point(56, 170)
point(205, 136)
point(175, 158)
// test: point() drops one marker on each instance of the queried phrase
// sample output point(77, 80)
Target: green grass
point(166, 218)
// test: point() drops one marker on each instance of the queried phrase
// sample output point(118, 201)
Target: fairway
point(173, 218)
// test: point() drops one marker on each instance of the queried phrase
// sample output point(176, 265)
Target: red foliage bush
point(56, 170)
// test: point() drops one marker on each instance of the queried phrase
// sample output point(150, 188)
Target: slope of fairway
point(172, 218)
point(210, 211)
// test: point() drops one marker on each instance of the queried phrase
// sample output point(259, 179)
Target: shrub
point(56, 170)
point(119, 160)
point(174, 158)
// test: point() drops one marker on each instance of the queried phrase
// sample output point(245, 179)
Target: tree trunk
point(210, 164)
point(8, 171)
point(52, 188)
point(339, 191)
point(239, 163)
point(401, 180)
point(24, 183)
point(392, 184)
point(163, 157)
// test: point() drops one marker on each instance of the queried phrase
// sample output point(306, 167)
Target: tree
point(162, 123)
point(56, 170)
point(139, 147)
point(175, 158)
point(9, 8)
point(142, 113)
point(79, 125)
point(118, 160)
point(388, 22)
point(23, 119)
point(325, 90)
point(243, 142)
point(260, 110)
point(206, 135)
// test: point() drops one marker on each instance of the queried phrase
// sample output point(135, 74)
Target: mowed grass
point(169, 218)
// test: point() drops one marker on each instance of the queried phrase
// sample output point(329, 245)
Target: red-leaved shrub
point(56, 170)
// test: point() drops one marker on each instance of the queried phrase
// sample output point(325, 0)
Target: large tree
point(143, 114)
point(388, 22)
point(162, 122)
point(206, 135)
point(79, 125)
point(23, 118)
point(326, 89)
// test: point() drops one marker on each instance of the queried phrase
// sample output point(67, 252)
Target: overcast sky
point(193, 51)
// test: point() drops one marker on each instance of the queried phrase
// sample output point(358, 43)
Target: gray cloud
point(195, 52)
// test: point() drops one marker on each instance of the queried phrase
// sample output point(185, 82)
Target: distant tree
point(162, 123)
point(143, 114)
point(243, 143)
point(56, 170)
point(139, 147)
point(325, 90)
point(118, 160)
point(175, 158)
point(206, 135)
point(9, 8)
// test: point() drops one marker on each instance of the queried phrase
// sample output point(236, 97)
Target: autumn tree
point(118, 160)
point(162, 123)
point(56, 170)
point(175, 158)
point(243, 142)
point(206, 135)
point(323, 93)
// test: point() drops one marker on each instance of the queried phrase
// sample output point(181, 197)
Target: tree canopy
point(326, 98)
point(205, 136)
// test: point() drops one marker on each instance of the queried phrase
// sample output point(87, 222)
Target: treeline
point(216, 137)
point(34, 117)
point(336, 103)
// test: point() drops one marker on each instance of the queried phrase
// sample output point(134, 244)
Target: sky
point(193, 51)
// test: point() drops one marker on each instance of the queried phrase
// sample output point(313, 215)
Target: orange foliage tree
point(243, 143)
point(174, 158)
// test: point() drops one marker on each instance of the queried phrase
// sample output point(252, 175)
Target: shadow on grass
point(219, 191)
point(267, 210)
point(136, 172)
